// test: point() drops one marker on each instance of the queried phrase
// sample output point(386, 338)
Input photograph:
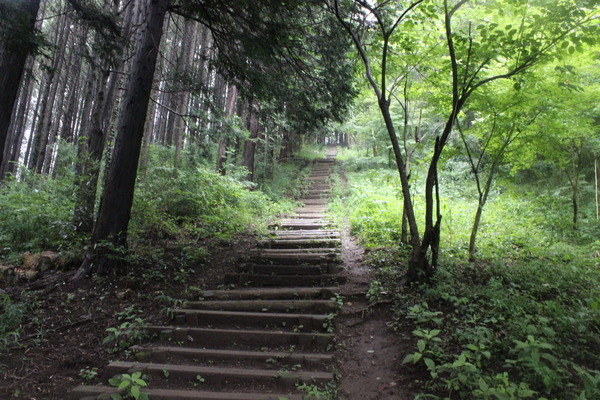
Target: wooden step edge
point(249, 314)
point(269, 293)
point(194, 352)
point(220, 372)
point(93, 392)
point(244, 339)
point(216, 332)
point(252, 305)
point(257, 280)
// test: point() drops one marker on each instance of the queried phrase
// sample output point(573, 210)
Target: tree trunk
point(223, 144)
point(117, 199)
point(12, 65)
point(46, 123)
point(98, 108)
point(250, 144)
point(14, 141)
point(186, 59)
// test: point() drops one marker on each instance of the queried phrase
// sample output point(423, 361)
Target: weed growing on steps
point(129, 386)
point(88, 373)
point(132, 330)
point(315, 392)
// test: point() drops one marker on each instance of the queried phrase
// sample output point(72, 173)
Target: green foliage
point(132, 330)
point(129, 386)
point(196, 201)
point(11, 317)
point(36, 214)
point(315, 392)
point(88, 373)
point(522, 322)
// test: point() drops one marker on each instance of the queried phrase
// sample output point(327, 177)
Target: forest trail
point(266, 337)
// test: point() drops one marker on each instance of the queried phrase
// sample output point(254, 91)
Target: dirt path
point(370, 352)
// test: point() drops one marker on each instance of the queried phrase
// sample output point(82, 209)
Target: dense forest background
point(471, 135)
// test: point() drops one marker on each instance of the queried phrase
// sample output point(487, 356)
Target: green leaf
point(417, 357)
point(430, 364)
point(421, 345)
point(483, 385)
point(123, 385)
point(409, 358)
point(135, 392)
point(114, 381)
point(116, 396)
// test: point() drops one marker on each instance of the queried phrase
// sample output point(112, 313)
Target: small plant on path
point(129, 387)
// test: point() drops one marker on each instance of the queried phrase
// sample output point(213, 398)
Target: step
point(316, 202)
point(218, 355)
point(313, 190)
point(255, 280)
point(297, 252)
point(90, 393)
point(291, 258)
point(219, 375)
point(312, 208)
point(234, 338)
point(315, 306)
point(303, 226)
point(314, 233)
point(268, 269)
point(309, 215)
point(290, 269)
point(300, 227)
point(270, 293)
point(220, 319)
point(301, 221)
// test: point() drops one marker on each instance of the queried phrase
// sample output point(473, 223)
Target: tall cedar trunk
point(250, 144)
point(223, 144)
point(17, 128)
point(87, 177)
point(29, 150)
point(68, 124)
point(117, 198)
point(56, 118)
point(49, 95)
point(46, 123)
point(186, 59)
point(270, 157)
point(12, 65)
point(10, 165)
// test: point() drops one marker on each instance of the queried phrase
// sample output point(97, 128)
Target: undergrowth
point(184, 203)
point(522, 322)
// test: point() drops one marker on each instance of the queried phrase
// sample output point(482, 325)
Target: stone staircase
point(262, 339)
